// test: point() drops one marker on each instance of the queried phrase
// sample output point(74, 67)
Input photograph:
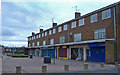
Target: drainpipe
point(115, 56)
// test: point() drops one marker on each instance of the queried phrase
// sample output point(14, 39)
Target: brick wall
point(87, 30)
point(118, 31)
point(109, 51)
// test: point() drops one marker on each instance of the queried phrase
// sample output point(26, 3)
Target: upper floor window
point(99, 33)
point(73, 25)
point(33, 44)
point(106, 14)
point(65, 27)
point(30, 38)
point(59, 29)
point(77, 37)
point(81, 22)
point(44, 42)
point(42, 34)
point(37, 43)
point(94, 18)
point(49, 32)
point(45, 33)
point(62, 39)
point(53, 31)
point(39, 35)
point(34, 37)
point(51, 41)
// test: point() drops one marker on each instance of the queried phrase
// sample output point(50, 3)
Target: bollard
point(85, 66)
point(18, 69)
point(118, 69)
point(1, 57)
point(102, 65)
point(44, 69)
point(116, 64)
point(66, 68)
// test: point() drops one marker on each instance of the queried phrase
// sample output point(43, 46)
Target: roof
point(101, 9)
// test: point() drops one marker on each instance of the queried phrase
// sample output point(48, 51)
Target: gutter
point(115, 47)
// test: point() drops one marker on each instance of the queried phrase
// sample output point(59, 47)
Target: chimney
point(41, 30)
point(33, 33)
point(77, 14)
point(54, 24)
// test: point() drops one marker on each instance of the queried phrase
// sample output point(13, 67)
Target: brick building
point(90, 37)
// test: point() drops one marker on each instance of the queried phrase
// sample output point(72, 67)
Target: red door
point(63, 52)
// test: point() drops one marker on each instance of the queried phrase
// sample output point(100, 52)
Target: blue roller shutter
point(96, 53)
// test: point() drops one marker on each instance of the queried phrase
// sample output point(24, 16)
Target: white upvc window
point(34, 36)
point(54, 31)
point(42, 34)
point(99, 33)
point(30, 38)
point(94, 18)
point(81, 22)
point(77, 37)
point(62, 39)
point(45, 33)
point(39, 35)
point(106, 14)
point(73, 25)
point(33, 44)
point(49, 32)
point(51, 41)
point(44, 42)
point(65, 27)
point(37, 43)
point(59, 29)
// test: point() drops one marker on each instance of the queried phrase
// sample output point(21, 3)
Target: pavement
point(35, 65)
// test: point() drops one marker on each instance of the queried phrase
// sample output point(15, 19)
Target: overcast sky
point(19, 19)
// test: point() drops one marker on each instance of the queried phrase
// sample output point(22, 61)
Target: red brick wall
point(87, 30)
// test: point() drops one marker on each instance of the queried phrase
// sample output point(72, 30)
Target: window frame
point(81, 22)
point(94, 18)
point(65, 27)
point(50, 32)
point(60, 29)
point(73, 24)
point(77, 37)
point(54, 31)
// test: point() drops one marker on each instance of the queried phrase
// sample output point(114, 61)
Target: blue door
point(51, 53)
point(48, 52)
point(44, 52)
point(96, 53)
point(28, 52)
